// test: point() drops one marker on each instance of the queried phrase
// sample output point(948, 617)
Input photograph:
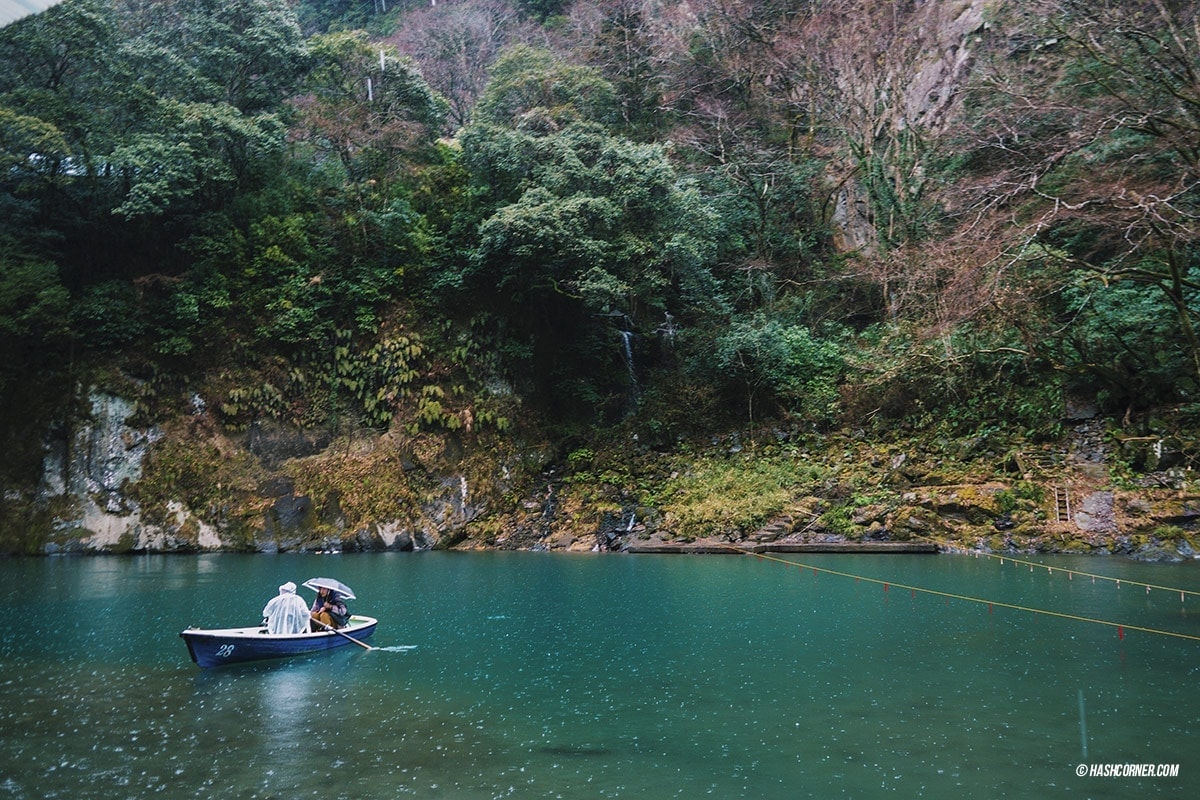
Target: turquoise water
point(599, 676)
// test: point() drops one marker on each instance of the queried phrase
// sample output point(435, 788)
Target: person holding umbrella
point(329, 609)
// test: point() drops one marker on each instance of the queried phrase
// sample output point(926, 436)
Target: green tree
point(532, 89)
point(217, 80)
point(32, 302)
point(779, 365)
point(33, 317)
point(161, 116)
point(196, 157)
point(1123, 339)
point(29, 178)
point(590, 234)
point(365, 105)
point(248, 55)
point(56, 92)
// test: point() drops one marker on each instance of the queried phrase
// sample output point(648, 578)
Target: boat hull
point(218, 647)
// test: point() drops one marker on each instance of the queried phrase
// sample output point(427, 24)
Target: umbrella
point(329, 583)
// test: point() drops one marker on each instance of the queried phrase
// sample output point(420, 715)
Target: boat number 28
point(225, 651)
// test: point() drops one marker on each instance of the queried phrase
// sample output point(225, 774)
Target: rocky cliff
point(185, 486)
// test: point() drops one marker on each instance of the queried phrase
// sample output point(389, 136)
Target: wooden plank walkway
point(786, 547)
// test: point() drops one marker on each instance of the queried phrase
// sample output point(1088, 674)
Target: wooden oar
point(363, 645)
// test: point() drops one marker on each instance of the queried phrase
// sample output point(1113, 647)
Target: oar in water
point(363, 645)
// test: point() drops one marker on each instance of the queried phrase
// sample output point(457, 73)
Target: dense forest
point(604, 231)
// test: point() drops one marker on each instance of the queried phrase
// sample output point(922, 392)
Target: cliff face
point(900, 73)
point(111, 487)
point(85, 475)
point(106, 488)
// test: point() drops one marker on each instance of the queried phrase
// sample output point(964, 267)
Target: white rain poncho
point(287, 612)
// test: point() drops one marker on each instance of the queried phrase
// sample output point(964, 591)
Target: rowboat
point(214, 647)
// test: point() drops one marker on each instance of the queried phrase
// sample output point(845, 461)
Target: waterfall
point(627, 354)
point(627, 342)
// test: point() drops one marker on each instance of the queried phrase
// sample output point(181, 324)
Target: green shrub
point(730, 497)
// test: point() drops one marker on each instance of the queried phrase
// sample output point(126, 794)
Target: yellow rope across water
point(1035, 565)
point(1120, 626)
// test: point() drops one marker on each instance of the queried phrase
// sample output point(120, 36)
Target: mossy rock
point(1074, 544)
point(909, 521)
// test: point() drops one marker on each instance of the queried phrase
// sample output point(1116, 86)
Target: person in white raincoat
point(286, 612)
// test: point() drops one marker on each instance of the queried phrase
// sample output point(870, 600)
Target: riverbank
point(1015, 518)
point(191, 486)
point(756, 549)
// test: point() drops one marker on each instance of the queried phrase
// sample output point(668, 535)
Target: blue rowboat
point(214, 647)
